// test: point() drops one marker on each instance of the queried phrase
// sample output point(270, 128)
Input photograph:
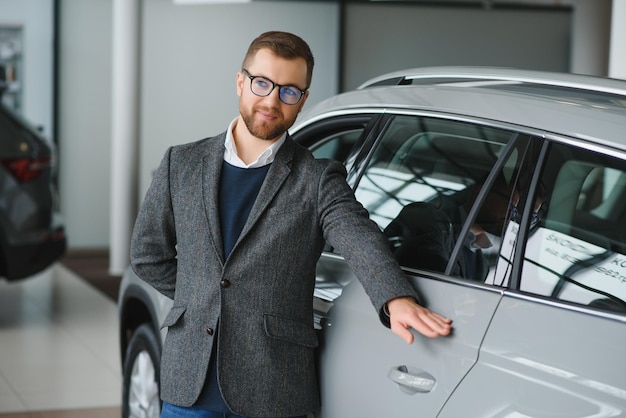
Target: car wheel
point(141, 375)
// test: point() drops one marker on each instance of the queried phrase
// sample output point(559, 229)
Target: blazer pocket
point(291, 330)
point(173, 316)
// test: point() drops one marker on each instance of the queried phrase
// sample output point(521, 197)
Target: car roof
point(585, 107)
point(455, 74)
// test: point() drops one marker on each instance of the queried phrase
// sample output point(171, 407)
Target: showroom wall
point(382, 38)
point(85, 120)
point(190, 55)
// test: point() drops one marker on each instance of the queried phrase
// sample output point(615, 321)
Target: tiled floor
point(58, 348)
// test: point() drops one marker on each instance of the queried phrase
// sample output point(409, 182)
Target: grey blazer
point(262, 294)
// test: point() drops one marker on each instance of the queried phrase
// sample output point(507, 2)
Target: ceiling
point(478, 3)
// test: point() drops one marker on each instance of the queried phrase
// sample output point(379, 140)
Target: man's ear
point(240, 81)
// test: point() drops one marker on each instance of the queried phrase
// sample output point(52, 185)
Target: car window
point(336, 137)
point(576, 250)
point(495, 210)
point(421, 181)
point(337, 146)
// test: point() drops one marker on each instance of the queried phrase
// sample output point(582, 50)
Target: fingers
point(437, 323)
point(405, 316)
point(427, 326)
point(403, 332)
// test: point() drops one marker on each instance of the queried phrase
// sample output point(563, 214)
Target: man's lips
point(267, 114)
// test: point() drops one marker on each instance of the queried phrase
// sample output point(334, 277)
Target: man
point(231, 229)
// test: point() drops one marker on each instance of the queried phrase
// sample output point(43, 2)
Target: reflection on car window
point(481, 246)
point(491, 209)
point(422, 179)
point(577, 253)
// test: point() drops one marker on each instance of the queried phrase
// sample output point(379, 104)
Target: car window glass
point(576, 250)
point(491, 209)
point(336, 137)
point(337, 146)
point(419, 180)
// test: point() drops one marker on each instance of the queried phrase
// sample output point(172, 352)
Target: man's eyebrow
point(268, 78)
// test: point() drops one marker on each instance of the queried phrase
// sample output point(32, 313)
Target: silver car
point(503, 195)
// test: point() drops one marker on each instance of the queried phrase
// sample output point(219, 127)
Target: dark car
point(503, 196)
point(32, 235)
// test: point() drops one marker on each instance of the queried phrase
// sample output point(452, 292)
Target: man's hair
point(285, 45)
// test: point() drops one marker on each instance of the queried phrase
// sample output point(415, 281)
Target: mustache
point(272, 111)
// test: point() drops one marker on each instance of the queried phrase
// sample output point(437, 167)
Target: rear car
point(32, 234)
point(503, 196)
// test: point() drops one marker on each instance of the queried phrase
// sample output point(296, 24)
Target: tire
point(140, 395)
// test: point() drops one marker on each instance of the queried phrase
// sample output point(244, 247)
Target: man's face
point(267, 117)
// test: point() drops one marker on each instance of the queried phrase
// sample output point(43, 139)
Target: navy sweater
point(239, 188)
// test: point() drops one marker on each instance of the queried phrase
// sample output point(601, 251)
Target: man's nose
point(274, 96)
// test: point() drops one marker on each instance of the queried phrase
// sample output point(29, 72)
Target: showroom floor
point(58, 348)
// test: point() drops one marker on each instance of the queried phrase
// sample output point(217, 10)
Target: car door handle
point(411, 380)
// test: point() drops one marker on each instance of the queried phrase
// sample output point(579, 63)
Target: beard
point(263, 129)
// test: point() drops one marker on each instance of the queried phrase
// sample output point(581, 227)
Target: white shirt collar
point(266, 157)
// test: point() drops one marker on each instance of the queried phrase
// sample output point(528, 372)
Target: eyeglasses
point(515, 215)
point(262, 86)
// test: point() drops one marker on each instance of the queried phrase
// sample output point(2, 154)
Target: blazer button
point(209, 331)
point(225, 283)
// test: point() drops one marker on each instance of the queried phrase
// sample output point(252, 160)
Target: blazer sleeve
point(349, 230)
point(153, 242)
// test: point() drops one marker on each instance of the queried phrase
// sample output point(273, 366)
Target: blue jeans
point(172, 411)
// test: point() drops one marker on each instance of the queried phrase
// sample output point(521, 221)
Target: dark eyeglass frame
point(281, 87)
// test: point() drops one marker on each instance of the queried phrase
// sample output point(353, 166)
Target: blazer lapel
point(212, 168)
point(276, 176)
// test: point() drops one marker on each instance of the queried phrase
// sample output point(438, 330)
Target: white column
point(124, 129)
point(617, 54)
point(590, 37)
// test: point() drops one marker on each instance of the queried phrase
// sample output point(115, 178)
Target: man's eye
point(290, 91)
point(262, 83)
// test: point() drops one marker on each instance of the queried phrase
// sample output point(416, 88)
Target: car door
point(555, 345)
point(421, 169)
